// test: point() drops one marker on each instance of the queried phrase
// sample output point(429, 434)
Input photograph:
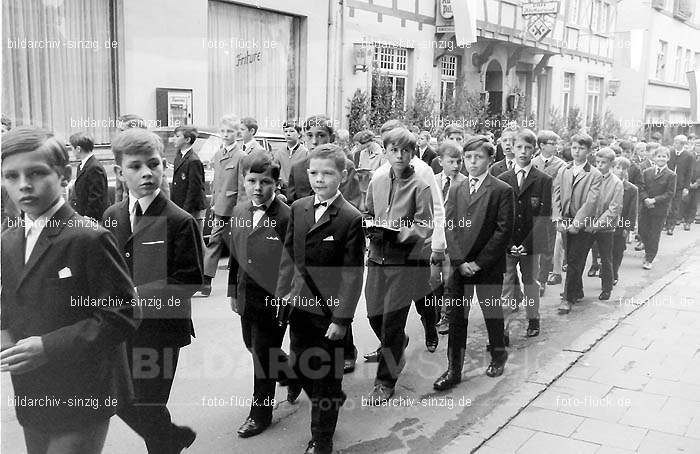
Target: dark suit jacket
point(255, 258)
point(299, 185)
point(84, 343)
point(683, 167)
point(628, 217)
point(188, 183)
point(634, 174)
point(428, 156)
point(499, 167)
point(479, 226)
point(533, 210)
point(164, 256)
point(90, 197)
point(661, 187)
point(324, 259)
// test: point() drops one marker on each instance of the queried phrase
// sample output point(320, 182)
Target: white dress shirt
point(479, 180)
point(320, 209)
point(84, 160)
point(522, 172)
point(33, 228)
point(258, 214)
point(145, 202)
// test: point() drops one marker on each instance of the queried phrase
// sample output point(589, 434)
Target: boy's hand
point(435, 276)
point(561, 227)
point(649, 203)
point(336, 331)
point(572, 229)
point(28, 354)
point(436, 257)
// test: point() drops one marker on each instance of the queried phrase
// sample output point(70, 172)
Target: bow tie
point(254, 208)
point(321, 204)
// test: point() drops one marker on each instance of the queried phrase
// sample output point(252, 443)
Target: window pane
point(65, 83)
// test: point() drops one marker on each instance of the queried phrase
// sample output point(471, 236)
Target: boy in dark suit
point(681, 162)
point(321, 276)
point(90, 197)
point(257, 243)
point(574, 199)
point(479, 226)
point(163, 250)
point(424, 151)
point(628, 216)
point(656, 193)
point(451, 132)
point(507, 142)
point(533, 211)
point(400, 206)
point(66, 305)
point(188, 175)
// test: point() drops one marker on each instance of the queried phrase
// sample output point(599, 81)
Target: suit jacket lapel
point(182, 159)
point(53, 228)
point(270, 212)
point(13, 255)
point(586, 169)
point(154, 209)
point(327, 215)
point(481, 191)
point(123, 220)
point(528, 181)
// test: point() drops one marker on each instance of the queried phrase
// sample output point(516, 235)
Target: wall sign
point(541, 17)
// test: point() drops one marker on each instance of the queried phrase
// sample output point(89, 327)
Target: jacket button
point(250, 261)
point(127, 255)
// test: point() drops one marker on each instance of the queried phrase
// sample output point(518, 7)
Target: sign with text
point(541, 17)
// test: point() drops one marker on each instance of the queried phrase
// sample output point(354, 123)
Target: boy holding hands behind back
point(321, 275)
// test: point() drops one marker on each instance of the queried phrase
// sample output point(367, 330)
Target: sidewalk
point(636, 390)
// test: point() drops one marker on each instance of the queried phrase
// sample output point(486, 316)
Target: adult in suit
point(549, 163)
point(533, 211)
point(656, 193)
point(162, 246)
point(188, 175)
point(222, 198)
point(257, 243)
point(681, 162)
point(89, 197)
point(321, 275)
point(574, 199)
point(424, 151)
point(58, 344)
point(477, 252)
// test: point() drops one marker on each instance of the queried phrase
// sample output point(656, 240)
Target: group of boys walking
point(437, 226)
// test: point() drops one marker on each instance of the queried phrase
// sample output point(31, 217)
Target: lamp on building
point(362, 56)
point(613, 87)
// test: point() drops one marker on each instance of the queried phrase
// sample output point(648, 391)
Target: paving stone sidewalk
point(637, 389)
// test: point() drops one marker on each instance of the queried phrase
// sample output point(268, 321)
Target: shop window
point(58, 73)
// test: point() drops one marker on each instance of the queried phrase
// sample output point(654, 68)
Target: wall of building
point(173, 54)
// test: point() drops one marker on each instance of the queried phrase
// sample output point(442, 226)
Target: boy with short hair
point(628, 216)
point(507, 143)
point(451, 132)
point(321, 276)
point(549, 163)
point(90, 197)
point(533, 211)
point(223, 199)
point(479, 225)
point(606, 216)
point(250, 128)
point(52, 346)
point(294, 152)
point(452, 163)
point(256, 250)
point(188, 175)
point(424, 151)
point(401, 208)
point(162, 245)
point(574, 200)
point(656, 193)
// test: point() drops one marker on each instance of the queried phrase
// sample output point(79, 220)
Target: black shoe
point(319, 447)
point(449, 379)
point(443, 326)
point(380, 394)
point(496, 367)
point(564, 267)
point(669, 232)
point(604, 296)
point(293, 391)
point(554, 279)
point(533, 328)
point(593, 270)
point(251, 427)
point(614, 281)
point(205, 289)
point(349, 365)
point(373, 357)
point(686, 226)
point(639, 246)
point(183, 438)
point(431, 339)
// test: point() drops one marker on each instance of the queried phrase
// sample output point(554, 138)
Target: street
point(214, 378)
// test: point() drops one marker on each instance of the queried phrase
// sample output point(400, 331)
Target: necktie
point(321, 204)
point(510, 165)
point(137, 214)
point(27, 245)
point(521, 177)
point(472, 185)
point(658, 171)
point(446, 188)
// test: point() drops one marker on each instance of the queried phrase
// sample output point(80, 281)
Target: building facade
point(659, 42)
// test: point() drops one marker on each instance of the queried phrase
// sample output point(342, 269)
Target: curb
point(479, 434)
